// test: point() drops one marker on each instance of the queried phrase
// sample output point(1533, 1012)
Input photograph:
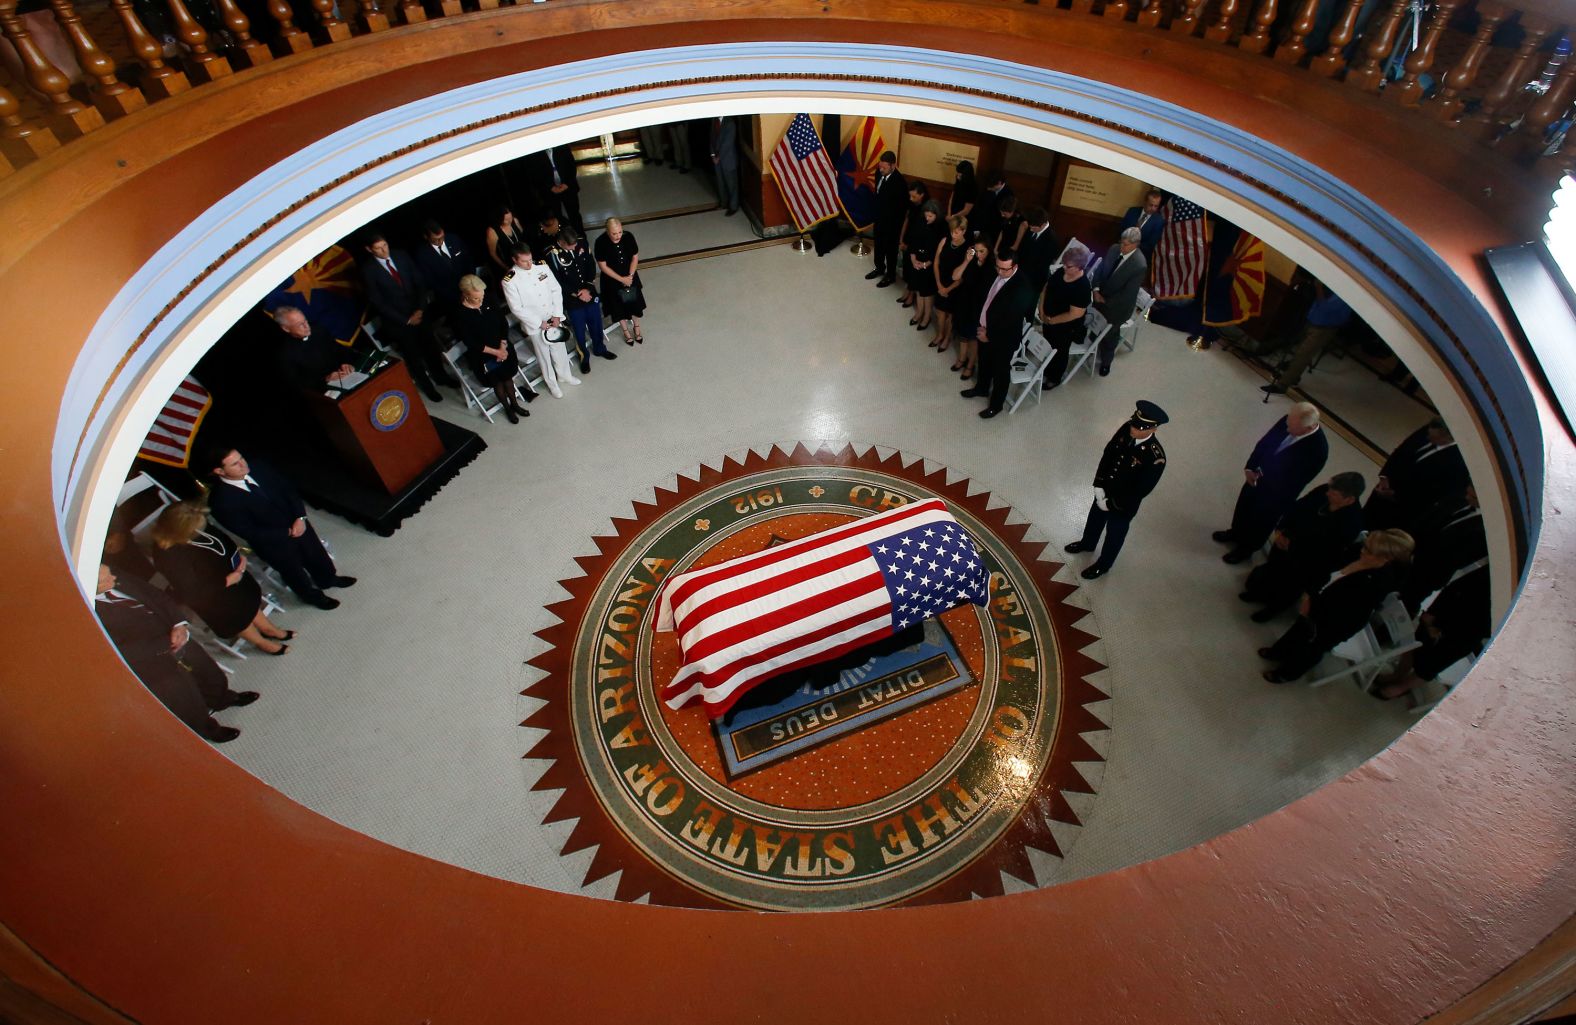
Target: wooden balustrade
point(68, 116)
point(202, 64)
point(1257, 37)
point(249, 52)
point(21, 143)
point(1449, 102)
point(111, 96)
point(334, 30)
point(159, 80)
point(1409, 89)
point(1333, 59)
point(1517, 73)
point(1504, 106)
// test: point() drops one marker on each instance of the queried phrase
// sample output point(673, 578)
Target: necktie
point(389, 265)
point(554, 165)
point(116, 598)
point(1142, 218)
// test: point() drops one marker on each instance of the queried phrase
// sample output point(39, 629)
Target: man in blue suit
point(258, 505)
point(1150, 221)
point(1285, 460)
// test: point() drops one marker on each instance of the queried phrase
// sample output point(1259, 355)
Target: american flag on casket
point(744, 621)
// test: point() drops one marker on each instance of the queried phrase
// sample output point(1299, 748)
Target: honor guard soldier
point(1130, 467)
point(576, 272)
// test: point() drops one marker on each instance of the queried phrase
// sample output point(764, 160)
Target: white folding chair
point(141, 500)
point(372, 336)
point(525, 355)
point(477, 397)
point(1138, 319)
point(1028, 369)
point(1079, 352)
point(1365, 654)
point(1061, 257)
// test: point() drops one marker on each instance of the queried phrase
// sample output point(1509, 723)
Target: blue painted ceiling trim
point(1313, 203)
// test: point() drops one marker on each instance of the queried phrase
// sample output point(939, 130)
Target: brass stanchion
point(802, 244)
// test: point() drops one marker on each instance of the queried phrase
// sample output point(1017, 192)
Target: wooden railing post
point(333, 28)
point(1333, 59)
point(1220, 31)
point(1294, 46)
point(1448, 102)
point(249, 52)
point(1548, 108)
point(1409, 90)
point(1150, 14)
point(291, 39)
point(20, 142)
point(1536, 29)
point(1378, 41)
point(111, 96)
point(202, 64)
point(1116, 10)
point(1186, 20)
point(1257, 38)
point(159, 80)
point(372, 17)
point(412, 12)
point(69, 116)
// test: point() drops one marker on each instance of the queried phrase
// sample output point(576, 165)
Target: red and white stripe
point(1180, 258)
point(169, 440)
point(748, 619)
point(809, 186)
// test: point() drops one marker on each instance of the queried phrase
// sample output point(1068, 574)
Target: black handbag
point(629, 295)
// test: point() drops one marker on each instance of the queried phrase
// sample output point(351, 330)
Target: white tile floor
point(397, 714)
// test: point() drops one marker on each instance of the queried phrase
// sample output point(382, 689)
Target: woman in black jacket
point(208, 575)
point(1340, 607)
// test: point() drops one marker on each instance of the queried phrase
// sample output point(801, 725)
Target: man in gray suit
point(1116, 286)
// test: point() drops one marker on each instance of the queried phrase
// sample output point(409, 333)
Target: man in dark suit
point(1129, 469)
point(1116, 285)
point(1150, 221)
point(985, 220)
point(1307, 546)
point(1285, 460)
point(552, 175)
point(397, 294)
point(1039, 249)
point(442, 260)
point(312, 361)
point(1008, 304)
point(1424, 469)
point(260, 506)
point(725, 162)
point(891, 190)
point(150, 633)
point(1450, 537)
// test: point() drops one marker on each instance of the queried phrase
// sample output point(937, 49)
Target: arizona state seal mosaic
point(916, 770)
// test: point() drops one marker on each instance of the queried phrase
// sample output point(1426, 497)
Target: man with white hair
point(537, 303)
point(1283, 463)
point(1116, 285)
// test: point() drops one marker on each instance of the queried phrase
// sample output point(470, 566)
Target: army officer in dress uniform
point(1130, 467)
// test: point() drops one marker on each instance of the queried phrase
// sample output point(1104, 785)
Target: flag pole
point(861, 246)
point(802, 244)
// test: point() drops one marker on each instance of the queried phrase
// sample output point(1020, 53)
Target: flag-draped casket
point(744, 621)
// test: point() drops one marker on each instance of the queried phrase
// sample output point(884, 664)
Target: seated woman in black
point(484, 329)
point(208, 575)
point(1067, 297)
point(1341, 607)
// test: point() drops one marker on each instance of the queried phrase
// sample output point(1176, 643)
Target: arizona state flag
point(325, 290)
point(856, 174)
point(1234, 289)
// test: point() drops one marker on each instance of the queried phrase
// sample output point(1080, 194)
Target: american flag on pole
point(749, 619)
point(1182, 254)
point(805, 174)
point(169, 440)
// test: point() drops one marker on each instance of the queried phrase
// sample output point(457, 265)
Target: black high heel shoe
point(912, 321)
point(282, 649)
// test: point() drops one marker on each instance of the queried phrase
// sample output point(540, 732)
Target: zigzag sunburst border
point(1046, 801)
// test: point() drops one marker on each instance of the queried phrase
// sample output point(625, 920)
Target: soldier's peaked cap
point(1149, 415)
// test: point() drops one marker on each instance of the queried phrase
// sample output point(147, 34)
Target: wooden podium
point(381, 429)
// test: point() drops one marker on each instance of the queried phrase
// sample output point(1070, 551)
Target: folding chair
point(1061, 257)
point(525, 355)
point(1028, 369)
point(1365, 653)
point(1137, 320)
point(141, 500)
point(477, 396)
point(1078, 354)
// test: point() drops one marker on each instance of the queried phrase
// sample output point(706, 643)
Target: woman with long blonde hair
point(208, 574)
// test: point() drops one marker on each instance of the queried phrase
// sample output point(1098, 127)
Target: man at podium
point(313, 362)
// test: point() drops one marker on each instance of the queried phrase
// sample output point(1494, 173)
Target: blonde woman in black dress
point(618, 256)
point(951, 255)
point(208, 575)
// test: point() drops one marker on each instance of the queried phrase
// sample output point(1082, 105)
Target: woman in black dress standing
point(965, 192)
point(1013, 226)
point(618, 255)
point(913, 224)
point(1067, 298)
point(950, 257)
point(920, 274)
point(505, 234)
point(484, 329)
point(208, 574)
point(974, 279)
